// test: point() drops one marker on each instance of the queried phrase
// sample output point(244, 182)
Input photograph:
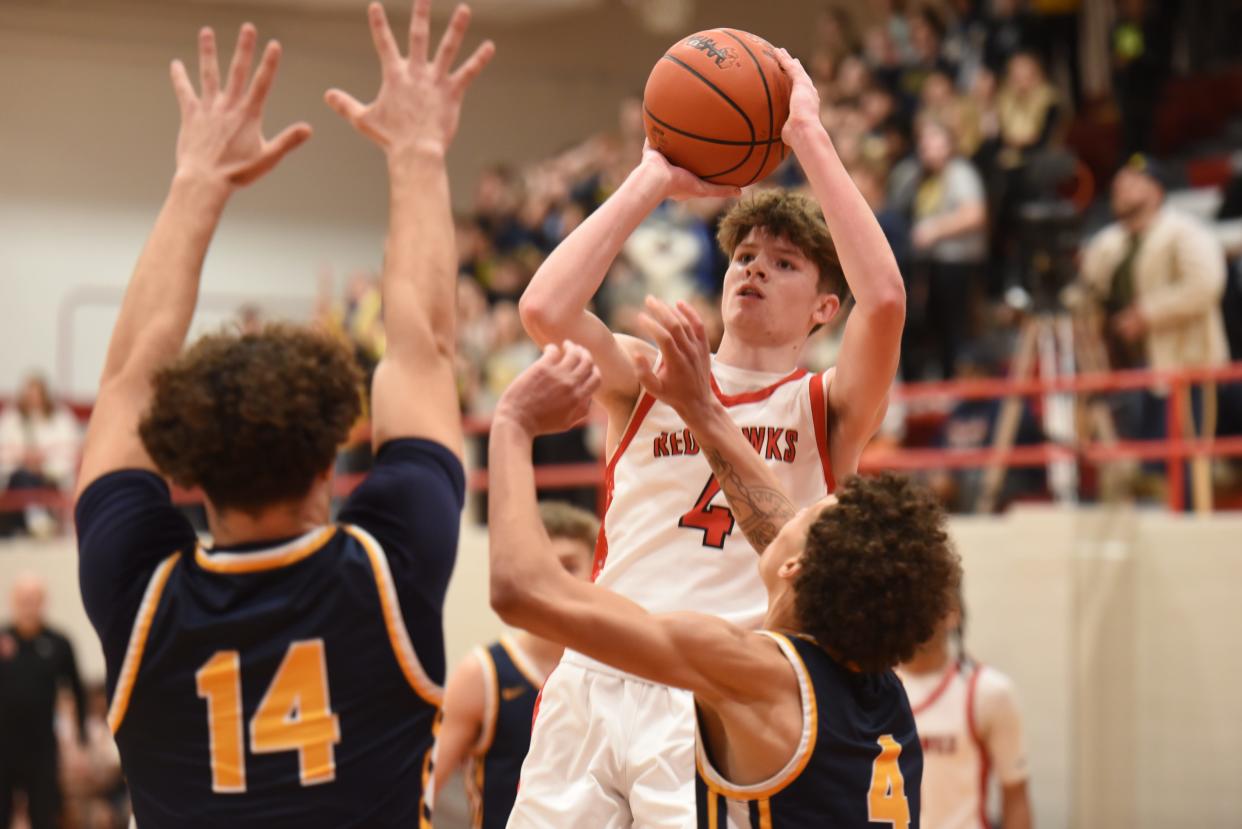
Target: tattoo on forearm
point(760, 511)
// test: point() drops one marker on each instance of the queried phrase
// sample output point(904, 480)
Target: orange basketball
point(715, 105)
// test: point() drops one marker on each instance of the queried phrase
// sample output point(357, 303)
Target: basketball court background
point(1118, 626)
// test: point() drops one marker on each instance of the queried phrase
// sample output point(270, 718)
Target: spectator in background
point(39, 445)
point(927, 31)
point(1027, 110)
point(1057, 24)
point(35, 663)
point(1158, 276)
point(946, 205)
point(1008, 32)
point(1141, 47)
point(966, 38)
point(941, 102)
point(1027, 107)
point(835, 41)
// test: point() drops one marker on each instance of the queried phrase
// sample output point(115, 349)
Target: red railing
point(1173, 451)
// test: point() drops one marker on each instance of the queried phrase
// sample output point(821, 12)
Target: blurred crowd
point(955, 120)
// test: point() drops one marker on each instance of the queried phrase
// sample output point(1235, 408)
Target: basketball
point(715, 104)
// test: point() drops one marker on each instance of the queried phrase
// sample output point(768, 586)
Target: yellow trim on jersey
point(398, 636)
point(713, 808)
point(138, 641)
point(521, 662)
point(474, 792)
point(259, 560)
point(765, 814)
point(715, 782)
point(491, 710)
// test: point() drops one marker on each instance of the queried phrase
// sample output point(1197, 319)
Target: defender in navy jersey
point(489, 701)
point(289, 673)
point(802, 724)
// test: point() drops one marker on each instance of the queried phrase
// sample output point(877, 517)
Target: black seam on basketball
point(750, 126)
point(704, 138)
point(767, 150)
point(749, 145)
point(749, 152)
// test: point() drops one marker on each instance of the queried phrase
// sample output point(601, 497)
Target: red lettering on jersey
point(939, 743)
point(755, 436)
point(773, 452)
point(661, 445)
point(791, 445)
point(674, 444)
point(692, 445)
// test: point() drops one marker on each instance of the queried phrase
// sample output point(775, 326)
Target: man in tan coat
point(1159, 275)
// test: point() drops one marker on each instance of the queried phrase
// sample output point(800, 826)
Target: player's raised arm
point(413, 120)
point(871, 347)
point(220, 147)
point(554, 306)
point(531, 590)
point(682, 379)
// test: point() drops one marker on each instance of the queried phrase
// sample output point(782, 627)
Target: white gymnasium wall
point(88, 123)
point(1118, 629)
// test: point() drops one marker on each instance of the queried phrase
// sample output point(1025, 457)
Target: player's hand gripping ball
point(715, 105)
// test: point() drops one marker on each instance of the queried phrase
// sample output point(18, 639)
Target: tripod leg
point(1010, 416)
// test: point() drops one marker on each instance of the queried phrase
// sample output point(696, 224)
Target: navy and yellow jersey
point(291, 683)
point(859, 763)
point(512, 686)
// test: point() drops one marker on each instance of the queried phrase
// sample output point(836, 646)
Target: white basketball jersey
point(955, 762)
point(669, 541)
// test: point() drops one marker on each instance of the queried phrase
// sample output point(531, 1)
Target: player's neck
point(781, 614)
point(771, 358)
point(229, 528)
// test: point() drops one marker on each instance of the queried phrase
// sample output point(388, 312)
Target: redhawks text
point(773, 443)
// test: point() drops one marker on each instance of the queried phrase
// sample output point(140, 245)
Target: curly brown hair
point(793, 217)
point(878, 572)
point(253, 418)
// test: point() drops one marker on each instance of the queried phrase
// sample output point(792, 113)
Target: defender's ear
point(790, 569)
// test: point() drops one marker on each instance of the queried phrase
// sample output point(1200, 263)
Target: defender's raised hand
point(683, 377)
point(419, 101)
point(221, 135)
point(554, 394)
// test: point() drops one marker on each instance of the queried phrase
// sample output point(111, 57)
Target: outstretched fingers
point(468, 71)
point(208, 64)
point(182, 87)
point(450, 43)
point(243, 58)
point(420, 31)
point(289, 139)
point(262, 83)
point(381, 36)
point(344, 104)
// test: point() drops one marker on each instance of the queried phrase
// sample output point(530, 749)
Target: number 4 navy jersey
point(295, 683)
point(859, 763)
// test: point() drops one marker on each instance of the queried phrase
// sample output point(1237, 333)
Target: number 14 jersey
point(669, 540)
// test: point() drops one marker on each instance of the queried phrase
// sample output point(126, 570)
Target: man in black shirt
point(35, 662)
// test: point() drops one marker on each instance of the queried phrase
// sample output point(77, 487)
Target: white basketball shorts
point(608, 751)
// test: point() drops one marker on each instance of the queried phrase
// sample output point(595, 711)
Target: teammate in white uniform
point(609, 749)
point(971, 730)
